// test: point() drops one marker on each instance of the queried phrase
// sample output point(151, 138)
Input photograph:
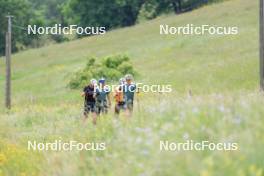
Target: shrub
point(114, 62)
point(111, 68)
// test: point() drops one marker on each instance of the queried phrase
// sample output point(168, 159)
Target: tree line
point(108, 13)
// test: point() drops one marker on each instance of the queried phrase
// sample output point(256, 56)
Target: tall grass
point(133, 144)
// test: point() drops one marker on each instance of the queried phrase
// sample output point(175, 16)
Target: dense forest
point(108, 13)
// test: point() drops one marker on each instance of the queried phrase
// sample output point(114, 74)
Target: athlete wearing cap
point(89, 100)
point(102, 97)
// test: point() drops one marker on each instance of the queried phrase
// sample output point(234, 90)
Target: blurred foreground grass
point(133, 144)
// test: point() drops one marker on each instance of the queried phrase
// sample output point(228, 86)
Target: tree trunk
point(177, 6)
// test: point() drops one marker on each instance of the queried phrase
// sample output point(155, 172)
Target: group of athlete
point(97, 97)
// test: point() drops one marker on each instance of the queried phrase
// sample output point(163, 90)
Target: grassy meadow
point(220, 71)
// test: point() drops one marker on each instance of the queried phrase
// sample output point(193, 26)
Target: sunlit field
point(224, 105)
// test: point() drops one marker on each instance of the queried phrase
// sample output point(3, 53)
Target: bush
point(114, 62)
point(111, 68)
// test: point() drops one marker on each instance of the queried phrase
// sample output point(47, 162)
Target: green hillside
point(202, 63)
point(221, 72)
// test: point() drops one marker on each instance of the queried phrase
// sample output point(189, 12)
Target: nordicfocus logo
point(191, 29)
point(190, 145)
point(154, 88)
point(72, 145)
point(58, 29)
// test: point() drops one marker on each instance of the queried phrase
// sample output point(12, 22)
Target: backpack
point(119, 95)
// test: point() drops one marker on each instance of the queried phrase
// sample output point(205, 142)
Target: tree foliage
point(19, 9)
point(107, 13)
point(154, 8)
point(112, 68)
